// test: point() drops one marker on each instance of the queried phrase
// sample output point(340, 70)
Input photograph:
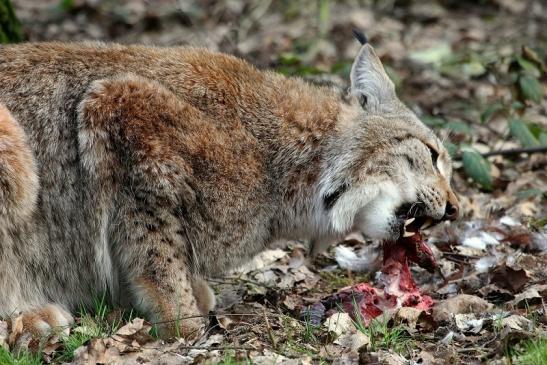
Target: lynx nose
point(451, 212)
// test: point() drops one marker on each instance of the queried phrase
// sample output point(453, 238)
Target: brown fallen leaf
point(463, 303)
point(136, 325)
point(509, 278)
point(409, 316)
point(495, 294)
point(517, 323)
point(521, 240)
point(533, 295)
point(342, 326)
point(427, 358)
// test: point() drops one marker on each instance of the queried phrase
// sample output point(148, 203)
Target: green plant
point(533, 352)
point(10, 27)
point(476, 167)
point(88, 329)
point(230, 358)
point(66, 5)
point(91, 324)
point(381, 333)
point(296, 341)
point(22, 358)
point(497, 322)
point(334, 280)
point(384, 336)
point(310, 330)
point(519, 73)
point(532, 315)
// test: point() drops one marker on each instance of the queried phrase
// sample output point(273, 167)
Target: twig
point(211, 348)
point(471, 349)
point(454, 259)
point(213, 315)
point(204, 316)
point(510, 152)
point(516, 151)
point(270, 331)
point(235, 280)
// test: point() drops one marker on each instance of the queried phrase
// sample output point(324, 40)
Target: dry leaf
point(409, 316)
point(460, 304)
point(509, 278)
point(339, 323)
point(136, 325)
point(518, 323)
point(531, 296)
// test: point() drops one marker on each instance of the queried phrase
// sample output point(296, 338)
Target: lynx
point(140, 171)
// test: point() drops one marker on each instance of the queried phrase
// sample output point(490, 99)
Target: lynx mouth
point(412, 220)
point(413, 225)
point(410, 245)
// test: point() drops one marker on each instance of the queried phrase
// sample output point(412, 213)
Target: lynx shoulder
point(139, 171)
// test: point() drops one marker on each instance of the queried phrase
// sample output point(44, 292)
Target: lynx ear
point(369, 82)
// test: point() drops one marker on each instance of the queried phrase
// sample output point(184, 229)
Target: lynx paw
point(205, 296)
point(50, 319)
point(32, 328)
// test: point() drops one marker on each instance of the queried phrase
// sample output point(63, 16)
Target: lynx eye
point(363, 101)
point(434, 155)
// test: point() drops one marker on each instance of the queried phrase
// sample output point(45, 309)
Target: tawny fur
point(158, 167)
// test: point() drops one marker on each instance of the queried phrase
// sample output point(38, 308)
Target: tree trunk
point(10, 28)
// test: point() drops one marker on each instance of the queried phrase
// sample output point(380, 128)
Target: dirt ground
point(472, 70)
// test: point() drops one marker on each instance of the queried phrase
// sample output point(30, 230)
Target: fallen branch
point(511, 152)
point(205, 316)
point(515, 151)
point(211, 348)
point(235, 280)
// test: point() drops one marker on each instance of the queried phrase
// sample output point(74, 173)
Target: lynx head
point(387, 167)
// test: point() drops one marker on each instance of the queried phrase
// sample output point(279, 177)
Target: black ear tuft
point(360, 36)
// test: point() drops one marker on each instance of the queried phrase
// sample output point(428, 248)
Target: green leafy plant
point(10, 27)
point(520, 130)
point(88, 329)
point(91, 324)
point(477, 167)
point(310, 330)
point(21, 358)
point(298, 339)
point(521, 73)
point(532, 352)
point(382, 333)
point(230, 358)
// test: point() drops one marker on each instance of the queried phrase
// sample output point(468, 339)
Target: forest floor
point(474, 73)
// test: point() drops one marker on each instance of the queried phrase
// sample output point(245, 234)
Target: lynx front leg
point(132, 142)
point(161, 284)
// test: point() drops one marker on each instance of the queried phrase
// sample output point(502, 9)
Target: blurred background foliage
point(474, 71)
point(10, 28)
